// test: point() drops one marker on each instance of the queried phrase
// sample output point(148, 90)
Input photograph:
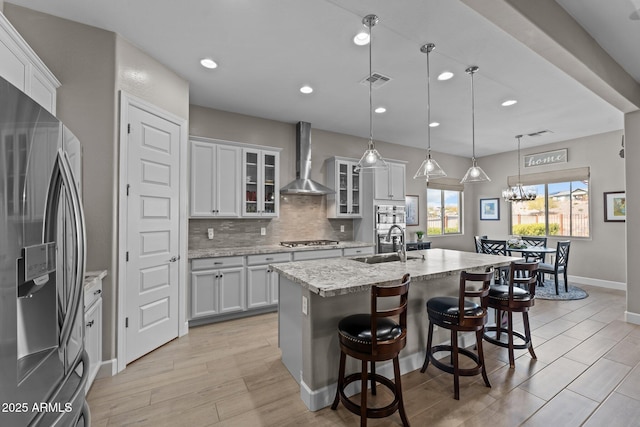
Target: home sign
point(546, 158)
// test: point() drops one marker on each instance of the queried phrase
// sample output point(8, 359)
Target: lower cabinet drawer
point(325, 253)
point(268, 258)
point(218, 262)
point(358, 251)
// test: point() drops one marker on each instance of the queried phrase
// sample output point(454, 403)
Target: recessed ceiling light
point(445, 75)
point(434, 124)
point(208, 63)
point(380, 110)
point(306, 89)
point(361, 39)
point(509, 102)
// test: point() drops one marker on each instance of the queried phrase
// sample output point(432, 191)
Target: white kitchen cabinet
point(262, 282)
point(215, 179)
point(217, 286)
point(260, 183)
point(367, 250)
point(20, 65)
point(93, 323)
point(389, 183)
point(343, 178)
point(317, 254)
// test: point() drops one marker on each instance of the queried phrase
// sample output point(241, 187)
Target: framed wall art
point(615, 206)
point(489, 209)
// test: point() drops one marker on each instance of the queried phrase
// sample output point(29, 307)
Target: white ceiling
point(267, 49)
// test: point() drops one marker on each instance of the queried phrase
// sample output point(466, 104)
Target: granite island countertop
point(340, 276)
point(269, 249)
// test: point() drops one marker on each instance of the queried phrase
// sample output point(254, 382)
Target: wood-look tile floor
point(230, 374)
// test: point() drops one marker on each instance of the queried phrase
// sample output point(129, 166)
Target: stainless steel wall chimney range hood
point(303, 183)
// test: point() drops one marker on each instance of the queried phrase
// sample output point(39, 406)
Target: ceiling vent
point(540, 133)
point(377, 80)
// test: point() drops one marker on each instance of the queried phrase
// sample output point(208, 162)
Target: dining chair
point(560, 265)
point(477, 240)
point(496, 247)
point(534, 241)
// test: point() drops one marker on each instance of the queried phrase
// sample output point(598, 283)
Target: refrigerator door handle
point(78, 218)
point(62, 177)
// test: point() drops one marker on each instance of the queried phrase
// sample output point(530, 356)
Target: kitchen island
point(315, 295)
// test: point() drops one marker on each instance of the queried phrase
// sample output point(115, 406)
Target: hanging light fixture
point(518, 193)
point(475, 172)
point(429, 167)
point(371, 159)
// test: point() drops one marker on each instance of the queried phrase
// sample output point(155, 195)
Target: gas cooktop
point(321, 242)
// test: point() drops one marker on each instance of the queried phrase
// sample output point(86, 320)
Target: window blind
point(451, 184)
point(565, 175)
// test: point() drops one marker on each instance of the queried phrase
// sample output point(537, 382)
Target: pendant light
point(475, 172)
point(518, 193)
point(429, 167)
point(371, 159)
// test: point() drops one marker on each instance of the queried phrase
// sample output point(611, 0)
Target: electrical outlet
point(210, 233)
point(342, 228)
point(304, 305)
point(263, 231)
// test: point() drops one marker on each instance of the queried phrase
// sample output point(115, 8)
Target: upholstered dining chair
point(559, 266)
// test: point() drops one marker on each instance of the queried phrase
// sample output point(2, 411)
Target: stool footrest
point(447, 367)
point(382, 412)
point(493, 340)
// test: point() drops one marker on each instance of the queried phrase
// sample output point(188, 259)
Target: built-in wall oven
point(390, 227)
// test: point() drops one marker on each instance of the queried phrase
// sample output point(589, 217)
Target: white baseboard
point(598, 282)
point(632, 317)
point(323, 397)
point(108, 368)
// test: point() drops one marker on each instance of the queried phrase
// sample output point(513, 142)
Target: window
point(444, 212)
point(561, 208)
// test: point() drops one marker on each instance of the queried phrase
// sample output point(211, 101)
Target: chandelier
point(519, 193)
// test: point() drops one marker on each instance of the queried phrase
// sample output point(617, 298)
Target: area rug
point(548, 291)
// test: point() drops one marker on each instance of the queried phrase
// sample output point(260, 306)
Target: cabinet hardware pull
point(269, 259)
point(90, 324)
point(217, 263)
point(98, 292)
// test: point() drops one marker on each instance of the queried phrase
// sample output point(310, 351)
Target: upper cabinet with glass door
point(261, 189)
point(347, 183)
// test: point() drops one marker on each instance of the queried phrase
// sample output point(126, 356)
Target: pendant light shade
point(429, 169)
point(475, 172)
point(371, 159)
point(519, 193)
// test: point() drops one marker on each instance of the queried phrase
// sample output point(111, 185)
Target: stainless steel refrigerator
point(43, 364)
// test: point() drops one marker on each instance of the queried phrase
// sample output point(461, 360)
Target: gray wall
point(601, 256)
point(93, 65)
point(632, 154)
point(241, 128)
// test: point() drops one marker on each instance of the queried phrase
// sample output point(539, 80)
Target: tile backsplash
point(301, 218)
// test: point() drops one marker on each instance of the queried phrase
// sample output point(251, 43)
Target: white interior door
point(152, 287)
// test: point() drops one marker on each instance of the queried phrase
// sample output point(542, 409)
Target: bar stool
point(460, 315)
point(518, 296)
point(372, 338)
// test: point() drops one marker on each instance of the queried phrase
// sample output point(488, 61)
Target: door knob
point(174, 258)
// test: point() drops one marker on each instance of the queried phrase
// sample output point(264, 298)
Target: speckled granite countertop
point(268, 249)
point(90, 276)
point(339, 276)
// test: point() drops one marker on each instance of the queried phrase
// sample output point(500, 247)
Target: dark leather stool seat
point(460, 315)
point(372, 338)
point(518, 296)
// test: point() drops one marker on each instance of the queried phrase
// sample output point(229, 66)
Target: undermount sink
point(377, 259)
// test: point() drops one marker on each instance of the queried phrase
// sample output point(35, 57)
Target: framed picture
point(489, 209)
point(615, 206)
point(413, 218)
